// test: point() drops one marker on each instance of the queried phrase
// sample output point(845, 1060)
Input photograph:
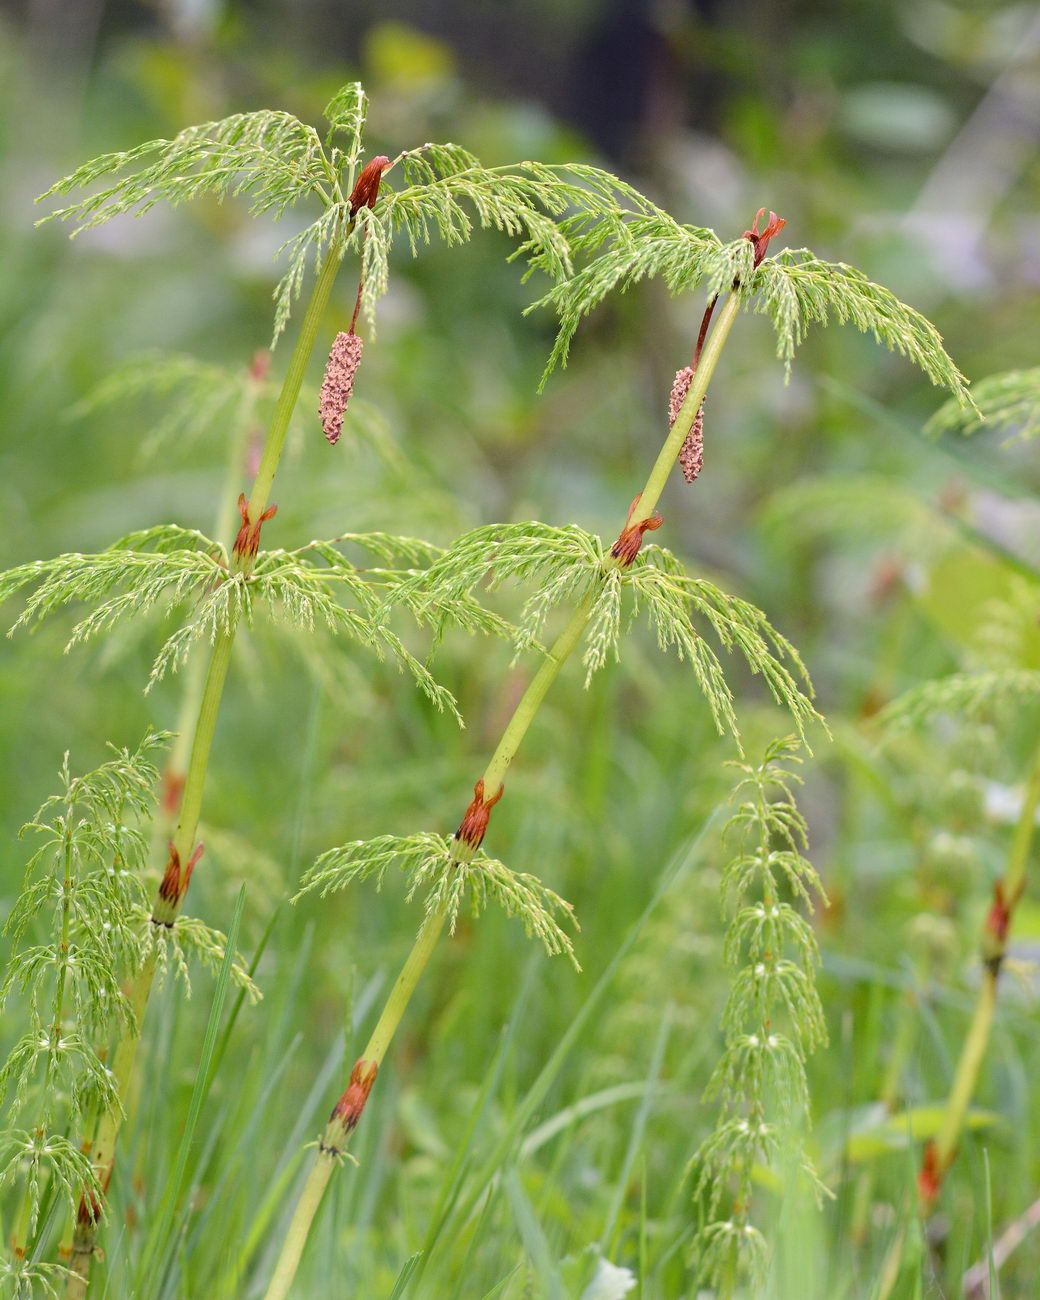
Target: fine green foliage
point(569, 565)
point(432, 870)
point(184, 400)
point(449, 193)
point(160, 568)
point(386, 590)
point(276, 161)
point(671, 597)
point(1008, 402)
point(962, 695)
point(174, 947)
point(80, 927)
point(566, 562)
point(866, 507)
point(75, 938)
point(795, 289)
point(20, 1276)
point(125, 582)
point(346, 112)
point(271, 157)
point(773, 1017)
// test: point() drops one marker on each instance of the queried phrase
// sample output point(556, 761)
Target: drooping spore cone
point(691, 454)
point(338, 383)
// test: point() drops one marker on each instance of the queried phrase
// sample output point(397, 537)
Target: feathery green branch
point(1009, 402)
point(794, 288)
point(772, 1020)
point(432, 868)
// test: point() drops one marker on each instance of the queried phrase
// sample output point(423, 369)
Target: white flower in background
point(609, 1282)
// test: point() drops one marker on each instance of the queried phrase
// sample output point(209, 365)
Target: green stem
point(195, 777)
point(24, 1213)
point(968, 1068)
point(290, 393)
point(303, 1217)
point(202, 744)
point(523, 714)
point(709, 358)
point(336, 1134)
point(224, 525)
point(973, 1052)
point(404, 987)
point(66, 915)
point(337, 1131)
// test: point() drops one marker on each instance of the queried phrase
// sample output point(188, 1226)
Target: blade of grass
point(407, 1269)
point(155, 1263)
point(502, 1151)
point(452, 1184)
point(532, 1236)
point(608, 1238)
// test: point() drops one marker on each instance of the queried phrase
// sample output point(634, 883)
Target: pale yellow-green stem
point(290, 393)
point(201, 745)
point(536, 691)
point(363, 1075)
point(941, 1154)
point(345, 1116)
point(709, 358)
point(168, 901)
point(224, 526)
point(561, 649)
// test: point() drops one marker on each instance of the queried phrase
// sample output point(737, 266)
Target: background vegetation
point(898, 138)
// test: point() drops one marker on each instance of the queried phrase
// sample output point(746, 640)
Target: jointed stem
point(404, 987)
point(195, 672)
point(688, 411)
point(537, 689)
point(347, 1113)
point(940, 1155)
point(565, 643)
point(202, 744)
point(183, 844)
point(290, 393)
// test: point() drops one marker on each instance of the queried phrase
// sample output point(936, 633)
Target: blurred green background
point(898, 137)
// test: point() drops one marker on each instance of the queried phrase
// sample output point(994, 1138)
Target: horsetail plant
point(277, 161)
point(970, 693)
point(201, 398)
point(77, 927)
point(772, 1019)
point(569, 565)
point(1009, 403)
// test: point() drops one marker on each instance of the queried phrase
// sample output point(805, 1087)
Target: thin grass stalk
point(347, 1112)
point(902, 1047)
point(175, 882)
point(940, 1154)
